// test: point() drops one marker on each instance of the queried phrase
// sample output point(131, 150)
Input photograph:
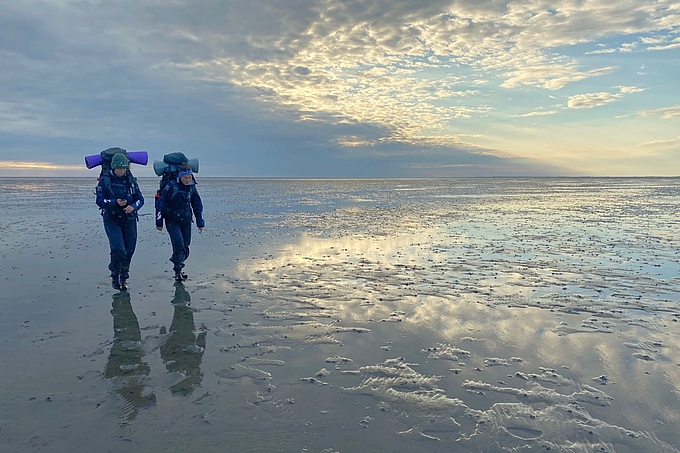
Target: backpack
point(105, 173)
point(174, 163)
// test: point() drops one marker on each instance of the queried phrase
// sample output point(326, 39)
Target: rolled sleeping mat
point(193, 164)
point(139, 157)
point(160, 167)
point(136, 157)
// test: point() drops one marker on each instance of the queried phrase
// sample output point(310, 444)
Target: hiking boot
point(123, 284)
point(115, 282)
point(178, 277)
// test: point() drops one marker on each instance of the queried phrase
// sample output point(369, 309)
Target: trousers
point(180, 238)
point(122, 242)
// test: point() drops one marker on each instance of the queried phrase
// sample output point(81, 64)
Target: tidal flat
point(343, 316)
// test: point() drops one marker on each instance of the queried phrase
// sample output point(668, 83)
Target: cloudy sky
point(344, 88)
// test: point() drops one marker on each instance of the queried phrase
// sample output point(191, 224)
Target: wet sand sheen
point(480, 315)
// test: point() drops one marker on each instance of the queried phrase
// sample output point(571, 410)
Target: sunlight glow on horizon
point(28, 165)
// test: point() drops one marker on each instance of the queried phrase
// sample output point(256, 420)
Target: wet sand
point(342, 316)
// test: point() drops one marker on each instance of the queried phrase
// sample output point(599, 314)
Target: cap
point(120, 160)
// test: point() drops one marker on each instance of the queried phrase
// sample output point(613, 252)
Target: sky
point(343, 88)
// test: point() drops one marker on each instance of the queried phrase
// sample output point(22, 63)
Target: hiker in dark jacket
point(119, 198)
point(176, 203)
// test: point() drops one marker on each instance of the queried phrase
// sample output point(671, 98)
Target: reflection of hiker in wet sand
point(125, 366)
point(183, 351)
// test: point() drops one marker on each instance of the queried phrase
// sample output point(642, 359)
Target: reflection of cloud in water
point(557, 417)
point(571, 353)
point(338, 274)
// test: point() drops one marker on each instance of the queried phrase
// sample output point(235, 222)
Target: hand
point(128, 209)
point(121, 202)
point(160, 228)
point(200, 229)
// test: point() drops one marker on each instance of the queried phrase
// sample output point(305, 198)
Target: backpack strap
point(133, 183)
point(105, 178)
point(174, 189)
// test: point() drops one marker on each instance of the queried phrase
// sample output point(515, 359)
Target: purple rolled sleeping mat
point(136, 157)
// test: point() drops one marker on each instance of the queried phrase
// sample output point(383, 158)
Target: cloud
point(674, 45)
point(660, 43)
point(662, 148)
point(318, 76)
point(665, 113)
point(590, 100)
point(628, 47)
point(353, 140)
point(365, 61)
point(551, 77)
point(649, 40)
point(630, 89)
point(674, 142)
point(602, 51)
point(536, 113)
point(623, 48)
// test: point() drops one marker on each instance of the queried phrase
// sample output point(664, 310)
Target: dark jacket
point(177, 202)
point(112, 187)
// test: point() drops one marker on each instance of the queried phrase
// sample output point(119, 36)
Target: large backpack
point(174, 163)
point(105, 173)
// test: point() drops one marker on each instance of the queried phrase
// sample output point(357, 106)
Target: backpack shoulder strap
point(172, 189)
point(133, 183)
point(105, 178)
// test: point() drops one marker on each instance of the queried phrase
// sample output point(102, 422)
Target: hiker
point(175, 205)
point(119, 198)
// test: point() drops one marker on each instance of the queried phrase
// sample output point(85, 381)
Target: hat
point(120, 160)
point(185, 172)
